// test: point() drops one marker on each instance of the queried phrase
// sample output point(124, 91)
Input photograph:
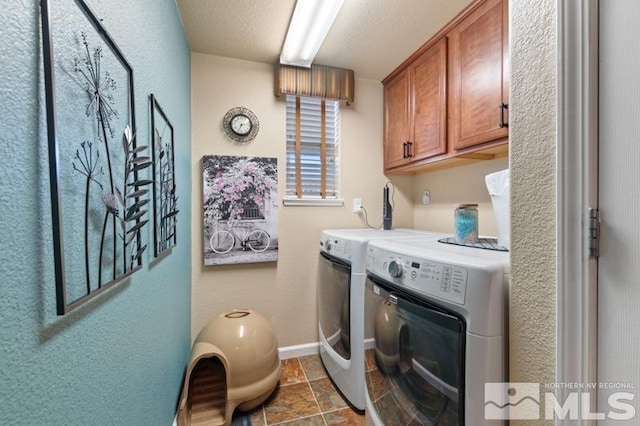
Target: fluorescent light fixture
point(309, 25)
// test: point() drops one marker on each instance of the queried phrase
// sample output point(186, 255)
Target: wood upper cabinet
point(428, 103)
point(446, 105)
point(479, 86)
point(415, 109)
point(396, 120)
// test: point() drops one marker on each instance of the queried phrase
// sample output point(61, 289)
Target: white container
point(498, 187)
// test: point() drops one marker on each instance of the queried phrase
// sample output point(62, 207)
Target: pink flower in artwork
point(242, 183)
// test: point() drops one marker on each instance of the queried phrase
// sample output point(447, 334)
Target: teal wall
point(120, 359)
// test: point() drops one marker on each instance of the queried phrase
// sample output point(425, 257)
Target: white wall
point(284, 292)
point(532, 122)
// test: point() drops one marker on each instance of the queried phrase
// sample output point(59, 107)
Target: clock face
point(240, 124)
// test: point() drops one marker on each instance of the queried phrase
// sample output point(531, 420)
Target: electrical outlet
point(426, 197)
point(357, 205)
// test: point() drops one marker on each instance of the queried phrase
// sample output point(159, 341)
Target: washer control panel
point(448, 282)
point(336, 247)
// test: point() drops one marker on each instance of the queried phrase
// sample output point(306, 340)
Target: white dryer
point(439, 317)
point(341, 278)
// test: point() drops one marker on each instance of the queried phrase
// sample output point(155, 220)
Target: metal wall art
point(165, 201)
point(97, 196)
point(240, 209)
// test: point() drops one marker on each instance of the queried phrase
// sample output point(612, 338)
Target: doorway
point(598, 334)
point(618, 354)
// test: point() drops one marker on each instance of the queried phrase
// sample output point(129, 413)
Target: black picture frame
point(165, 199)
point(90, 115)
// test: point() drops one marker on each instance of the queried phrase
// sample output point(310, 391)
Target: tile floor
point(306, 396)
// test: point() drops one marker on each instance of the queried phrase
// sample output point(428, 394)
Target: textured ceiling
point(372, 37)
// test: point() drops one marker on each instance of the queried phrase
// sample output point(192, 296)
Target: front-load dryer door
point(334, 288)
point(416, 368)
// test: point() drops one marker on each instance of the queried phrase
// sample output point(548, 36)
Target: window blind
point(312, 167)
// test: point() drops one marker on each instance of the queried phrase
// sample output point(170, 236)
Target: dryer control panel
point(448, 282)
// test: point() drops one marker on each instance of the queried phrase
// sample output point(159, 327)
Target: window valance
point(319, 81)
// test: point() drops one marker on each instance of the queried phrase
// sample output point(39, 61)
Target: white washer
point(341, 278)
point(439, 315)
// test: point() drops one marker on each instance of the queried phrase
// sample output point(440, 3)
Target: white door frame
point(577, 190)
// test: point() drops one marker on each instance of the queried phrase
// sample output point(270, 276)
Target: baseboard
point(294, 351)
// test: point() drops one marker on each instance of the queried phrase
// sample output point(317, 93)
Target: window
point(312, 151)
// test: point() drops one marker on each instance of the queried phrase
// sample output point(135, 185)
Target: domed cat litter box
point(234, 364)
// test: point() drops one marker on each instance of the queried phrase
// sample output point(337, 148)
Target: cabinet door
point(479, 78)
point(428, 117)
point(396, 115)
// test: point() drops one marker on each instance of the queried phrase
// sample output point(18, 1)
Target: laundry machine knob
point(328, 245)
point(395, 269)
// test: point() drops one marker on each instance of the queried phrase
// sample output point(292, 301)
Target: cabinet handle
point(503, 123)
point(409, 145)
point(404, 150)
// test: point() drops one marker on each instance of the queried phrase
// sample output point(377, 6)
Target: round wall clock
point(240, 124)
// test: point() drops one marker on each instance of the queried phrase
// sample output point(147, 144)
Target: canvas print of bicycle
point(240, 209)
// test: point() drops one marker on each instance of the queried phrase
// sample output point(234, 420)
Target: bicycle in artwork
point(224, 240)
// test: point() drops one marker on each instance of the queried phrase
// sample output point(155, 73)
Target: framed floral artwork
point(98, 194)
point(165, 199)
point(240, 220)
